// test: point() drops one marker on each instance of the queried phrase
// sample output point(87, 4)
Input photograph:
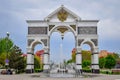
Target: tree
point(86, 55)
point(116, 55)
point(102, 62)
point(110, 61)
point(2, 59)
point(69, 61)
point(36, 63)
point(5, 45)
point(86, 63)
point(16, 61)
point(74, 56)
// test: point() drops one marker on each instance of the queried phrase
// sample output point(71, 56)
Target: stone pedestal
point(95, 71)
point(46, 66)
point(78, 63)
point(29, 70)
point(95, 63)
point(30, 61)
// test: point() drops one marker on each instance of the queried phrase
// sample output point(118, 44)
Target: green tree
point(116, 55)
point(86, 63)
point(16, 61)
point(36, 63)
point(110, 62)
point(74, 57)
point(86, 55)
point(69, 61)
point(5, 45)
point(2, 59)
point(102, 62)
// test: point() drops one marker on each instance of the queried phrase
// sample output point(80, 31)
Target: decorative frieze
point(87, 30)
point(95, 41)
point(80, 41)
point(30, 41)
point(73, 26)
point(37, 30)
point(50, 27)
point(62, 29)
point(44, 41)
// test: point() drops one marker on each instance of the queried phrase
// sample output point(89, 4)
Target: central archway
point(62, 51)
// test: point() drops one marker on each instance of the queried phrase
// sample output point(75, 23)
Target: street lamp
point(7, 61)
point(8, 34)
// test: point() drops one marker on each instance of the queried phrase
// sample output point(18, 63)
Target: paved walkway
point(40, 76)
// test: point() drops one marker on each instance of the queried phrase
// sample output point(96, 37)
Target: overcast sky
point(14, 13)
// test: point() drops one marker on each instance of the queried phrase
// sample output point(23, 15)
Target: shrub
point(110, 62)
point(86, 70)
point(38, 70)
point(86, 63)
point(105, 72)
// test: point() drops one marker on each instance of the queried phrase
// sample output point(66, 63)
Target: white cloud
point(109, 29)
point(19, 11)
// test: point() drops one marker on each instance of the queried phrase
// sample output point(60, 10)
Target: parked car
point(9, 72)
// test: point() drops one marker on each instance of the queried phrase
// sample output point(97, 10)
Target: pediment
point(62, 14)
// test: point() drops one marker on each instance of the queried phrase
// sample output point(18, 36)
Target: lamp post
point(7, 61)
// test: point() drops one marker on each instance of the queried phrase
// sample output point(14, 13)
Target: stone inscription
point(37, 30)
point(87, 30)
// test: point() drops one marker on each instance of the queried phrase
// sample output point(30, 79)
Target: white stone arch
point(94, 55)
point(35, 42)
point(30, 55)
point(66, 26)
point(90, 43)
point(86, 32)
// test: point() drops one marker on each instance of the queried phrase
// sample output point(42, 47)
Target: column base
point(79, 72)
point(95, 71)
point(29, 71)
point(46, 71)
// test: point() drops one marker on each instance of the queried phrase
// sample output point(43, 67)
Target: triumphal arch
point(62, 20)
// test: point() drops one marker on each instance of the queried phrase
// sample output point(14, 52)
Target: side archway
point(30, 55)
point(94, 55)
point(90, 43)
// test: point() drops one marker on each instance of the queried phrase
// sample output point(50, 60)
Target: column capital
point(46, 53)
point(46, 49)
point(75, 37)
point(30, 50)
point(96, 50)
point(30, 53)
point(78, 53)
point(78, 49)
point(95, 53)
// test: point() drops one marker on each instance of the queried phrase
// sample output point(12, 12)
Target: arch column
point(78, 61)
point(95, 61)
point(46, 59)
point(30, 60)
